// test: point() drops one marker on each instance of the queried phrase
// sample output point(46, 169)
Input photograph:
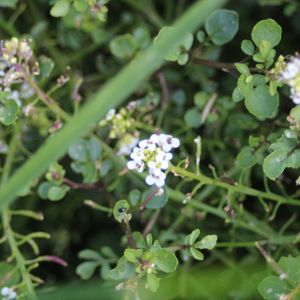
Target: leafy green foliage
point(8, 108)
point(123, 46)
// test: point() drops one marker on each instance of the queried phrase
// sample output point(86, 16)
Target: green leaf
point(183, 59)
point(104, 271)
point(108, 252)
point(78, 151)
point(89, 172)
point(138, 240)
point(267, 30)
point(6, 268)
point(258, 58)
point(258, 79)
point(261, 104)
point(149, 239)
point(273, 87)
point(8, 3)
point(255, 141)
point(243, 121)
point(192, 118)
point(87, 269)
point(166, 260)
point(152, 281)
point(60, 8)
point(222, 25)
point(44, 188)
point(123, 270)
point(156, 201)
point(275, 163)
point(106, 165)
point(196, 254)
point(246, 158)
point(200, 36)
point(90, 255)
point(247, 47)
point(77, 166)
point(291, 265)
point(245, 87)
point(201, 98)
point(9, 109)
point(208, 242)
point(94, 149)
point(142, 36)
point(243, 69)
point(265, 49)
point(193, 236)
point(273, 286)
point(56, 193)
point(237, 96)
point(187, 41)
point(120, 211)
point(134, 197)
point(133, 255)
point(123, 46)
point(81, 5)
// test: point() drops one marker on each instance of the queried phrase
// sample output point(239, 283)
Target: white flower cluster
point(8, 293)
point(291, 76)
point(154, 153)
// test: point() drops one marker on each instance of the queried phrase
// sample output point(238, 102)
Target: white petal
point(141, 169)
point(164, 164)
point(5, 291)
point(162, 175)
point(154, 138)
point(159, 182)
point(12, 295)
point(151, 147)
point(131, 165)
point(169, 156)
point(143, 143)
point(157, 171)
point(149, 180)
point(175, 143)
point(152, 165)
point(136, 149)
point(167, 147)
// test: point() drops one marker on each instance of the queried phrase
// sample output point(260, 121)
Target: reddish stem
point(149, 197)
point(75, 185)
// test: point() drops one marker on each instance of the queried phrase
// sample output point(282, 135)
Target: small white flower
point(8, 293)
point(163, 158)
point(137, 154)
point(155, 166)
point(151, 143)
point(295, 96)
point(110, 114)
point(168, 142)
point(136, 165)
point(153, 179)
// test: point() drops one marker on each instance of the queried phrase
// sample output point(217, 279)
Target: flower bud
point(14, 42)
point(280, 58)
point(5, 56)
point(13, 60)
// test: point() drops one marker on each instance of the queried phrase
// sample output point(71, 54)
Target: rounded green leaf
point(183, 59)
point(44, 188)
point(247, 47)
point(261, 104)
point(244, 86)
point(267, 30)
point(108, 252)
point(106, 165)
point(243, 121)
point(275, 163)
point(104, 271)
point(201, 98)
point(123, 270)
point(242, 68)
point(80, 5)
point(123, 46)
point(208, 242)
point(138, 239)
point(200, 36)
point(78, 151)
point(237, 96)
point(247, 159)
point(291, 265)
point(87, 269)
point(142, 36)
point(192, 118)
point(193, 236)
point(134, 197)
point(133, 255)
point(166, 260)
point(120, 210)
point(56, 193)
point(273, 286)
point(258, 79)
point(156, 201)
point(8, 111)
point(196, 254)
point(187, 41)
point(222, 25)
point(90, 254)
point(152, 281)
point(89, 172)
point(60, 8)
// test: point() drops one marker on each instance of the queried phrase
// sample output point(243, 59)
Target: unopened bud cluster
point(11, 53)
point(119, 123)
point(98, 7)
point(291, 76)
point(153, 153)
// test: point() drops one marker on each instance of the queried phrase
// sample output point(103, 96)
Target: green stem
point(8, 28)
point(239, 188)
point(6, 218)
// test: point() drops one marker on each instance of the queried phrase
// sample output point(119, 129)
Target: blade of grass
point(112, 94)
